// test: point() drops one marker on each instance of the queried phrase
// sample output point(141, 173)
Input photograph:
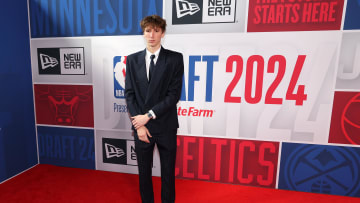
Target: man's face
point(153, 36)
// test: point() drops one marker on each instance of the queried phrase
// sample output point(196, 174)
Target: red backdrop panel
point(286, 15)
point(68, 105)
point(345, 120)
point(234, 161)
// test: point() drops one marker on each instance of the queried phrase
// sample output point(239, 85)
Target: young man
point(152, 89)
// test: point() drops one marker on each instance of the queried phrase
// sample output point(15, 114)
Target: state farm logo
point(61, 61)
point(203, 11)
point(194, 112)
point(118, 151)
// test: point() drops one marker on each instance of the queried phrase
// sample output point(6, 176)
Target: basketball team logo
point(350, 120)
point(203, 11)
point(323, 169)
point(119, 76)
point(345, 121)
point(61, 61)
point(68, 105)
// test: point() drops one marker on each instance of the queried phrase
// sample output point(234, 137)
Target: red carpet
point(46, 183)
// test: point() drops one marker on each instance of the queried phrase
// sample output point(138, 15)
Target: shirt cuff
point(152, 114)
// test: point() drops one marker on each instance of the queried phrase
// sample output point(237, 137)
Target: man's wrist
point(151, 114)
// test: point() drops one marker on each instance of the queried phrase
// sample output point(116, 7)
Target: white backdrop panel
point(207, 81)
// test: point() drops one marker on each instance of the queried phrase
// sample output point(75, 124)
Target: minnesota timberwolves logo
point(323, 169)
point(119, 76)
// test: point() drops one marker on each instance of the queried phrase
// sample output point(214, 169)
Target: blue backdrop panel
point(320, 169)
point(17, 130)
point(67, 18)
point(66, 147)
point(352, 15)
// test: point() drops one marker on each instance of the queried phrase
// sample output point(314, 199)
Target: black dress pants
point(166, 143)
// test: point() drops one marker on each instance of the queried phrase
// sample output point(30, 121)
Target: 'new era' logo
point(118, 151)
point(203, 11)
point(47, 61)
point(61, 61)
point(184, 8)
point(112, 151)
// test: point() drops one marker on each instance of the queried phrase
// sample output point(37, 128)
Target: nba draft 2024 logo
point(203, 11)
point(61, 61)
point(119, 76)
point(320, 169)
point(345, 120)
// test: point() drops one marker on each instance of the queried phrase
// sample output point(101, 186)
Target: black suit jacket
point(161, 94)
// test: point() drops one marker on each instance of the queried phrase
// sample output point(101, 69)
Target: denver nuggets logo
point(119, 76)
point(323, 169)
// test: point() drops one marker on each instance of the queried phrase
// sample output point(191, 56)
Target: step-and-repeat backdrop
point(270, 96)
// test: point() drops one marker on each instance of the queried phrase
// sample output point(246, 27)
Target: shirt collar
point(148, 53)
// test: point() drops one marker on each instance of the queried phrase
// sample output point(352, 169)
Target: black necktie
point(152, 66)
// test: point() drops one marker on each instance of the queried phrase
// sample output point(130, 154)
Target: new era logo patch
point(184, 8)
point(203, 11)
point(61, 61)
point(113, 151)
point(47, 61)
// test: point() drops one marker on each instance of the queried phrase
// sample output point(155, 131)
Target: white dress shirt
point(148, 60)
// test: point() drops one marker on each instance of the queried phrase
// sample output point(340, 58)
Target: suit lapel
point(157, 74)
point(141, 70)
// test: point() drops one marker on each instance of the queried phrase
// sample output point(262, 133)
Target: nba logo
point(119, 76)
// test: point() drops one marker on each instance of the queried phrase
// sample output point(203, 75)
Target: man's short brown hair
point(153, 21)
